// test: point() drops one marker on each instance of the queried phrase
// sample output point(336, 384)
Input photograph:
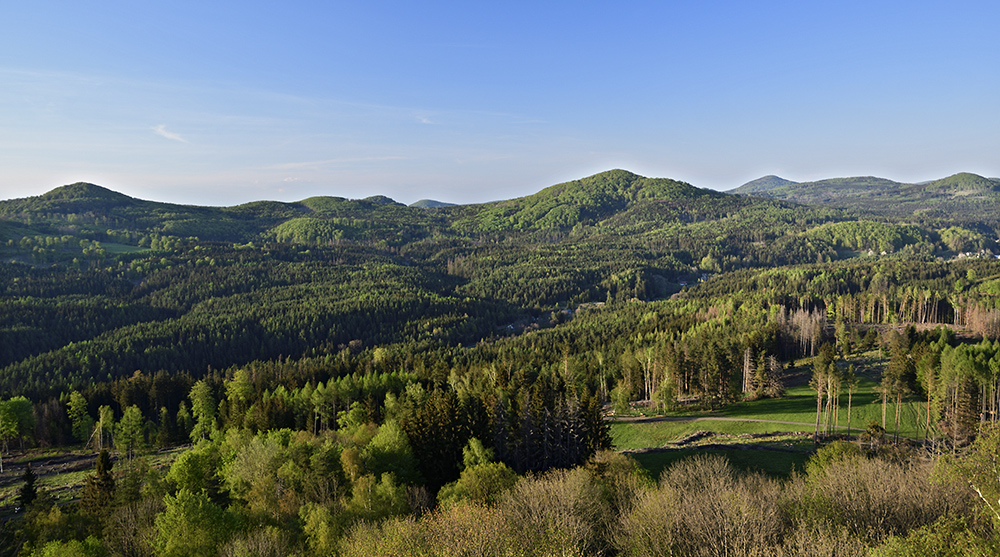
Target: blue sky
point(219, 103)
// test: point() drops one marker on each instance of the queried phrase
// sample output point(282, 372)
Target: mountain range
point(141, 280)
point(965, 196)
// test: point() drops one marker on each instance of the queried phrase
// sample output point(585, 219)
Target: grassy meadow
point(768, 435)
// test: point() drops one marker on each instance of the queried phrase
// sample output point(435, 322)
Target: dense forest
point(352, 377)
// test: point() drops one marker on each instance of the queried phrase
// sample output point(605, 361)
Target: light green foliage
point(239, 391)
point(16, 420)
point(83, 424)
point(90, 547)
point(194, 470)
point(203, 408)
point(309, 231)
point(475, 454)
point(480, 483)
point(308, 311)
point(951, 536)
point(834, 452)
point(620, 397)
point(130, 433)
point(192, 525)
point(24, 414)
point(321, 529)
point(105, 426)
point(389, 452)
point(959, 239)
point(8, 423)
point(46, 522)
point(252, 475)
point(980, 469)
point(375, 498)
point(869, 235)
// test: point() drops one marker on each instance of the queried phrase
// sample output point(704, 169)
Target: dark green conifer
point(99, 488)
point(28, 491)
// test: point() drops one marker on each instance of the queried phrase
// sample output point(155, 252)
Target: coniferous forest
point(361, 377)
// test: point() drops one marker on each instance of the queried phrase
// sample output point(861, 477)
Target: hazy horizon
point(410, 202)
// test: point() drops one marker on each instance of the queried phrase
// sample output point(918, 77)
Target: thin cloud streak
point(161, 131)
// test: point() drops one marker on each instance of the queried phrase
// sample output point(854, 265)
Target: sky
point(222, 102)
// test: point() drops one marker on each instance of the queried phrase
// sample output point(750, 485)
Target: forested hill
point(764, 186)
point(96, 285)
point(965, 197)
point(584, 202)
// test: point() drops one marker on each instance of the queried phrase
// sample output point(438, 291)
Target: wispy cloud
point(161, 131)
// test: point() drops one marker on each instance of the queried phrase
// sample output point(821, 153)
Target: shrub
point(701, 507)
point(563, 512)
point(483, 483)
point(874, 498)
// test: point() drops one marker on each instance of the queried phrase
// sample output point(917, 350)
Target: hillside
point(763, 184)
point(589, 201)
point(430, 204)
point(965, 198)
point(335, 366)
point(147, 285)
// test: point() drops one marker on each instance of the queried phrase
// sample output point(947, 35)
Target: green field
point(794, 413)
point(772, 463)
point(640, 435)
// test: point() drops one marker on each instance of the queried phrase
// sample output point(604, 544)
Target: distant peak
point(84, 190)
point(764, 183)
point(966, 177)
point(616, 173)
point(430, 204)
point(964, 181)
point(381, 200)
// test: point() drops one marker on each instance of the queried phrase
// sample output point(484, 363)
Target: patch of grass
point(640, 435)
point(772, 463)
point(797, 409)
point(799, 405)
point(64, 487)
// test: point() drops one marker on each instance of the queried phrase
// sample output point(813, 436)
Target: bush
point(702, 508)
point(564, 512)
point(836, 451)
point(483, 483)
point(473, 530)
point(876, 499)
point(950, 536)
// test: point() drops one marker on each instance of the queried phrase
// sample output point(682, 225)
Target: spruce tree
point(99, 488)
point(28, 491)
